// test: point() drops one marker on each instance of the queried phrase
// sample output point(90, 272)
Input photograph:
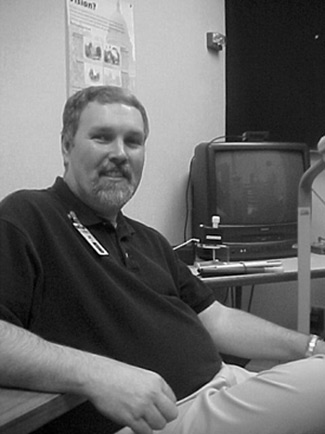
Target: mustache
point(119, 170)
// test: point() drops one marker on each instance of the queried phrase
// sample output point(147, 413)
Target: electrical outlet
point(215, 41)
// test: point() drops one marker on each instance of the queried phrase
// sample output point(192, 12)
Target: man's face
point(105, 162)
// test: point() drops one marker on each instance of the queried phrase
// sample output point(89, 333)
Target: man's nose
point(117, 150)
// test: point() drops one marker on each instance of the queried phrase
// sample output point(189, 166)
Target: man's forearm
point(239, 333)
point(254, 337)
point(31, 362)
point(129, 395)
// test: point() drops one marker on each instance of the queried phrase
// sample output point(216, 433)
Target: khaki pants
point(287, 399)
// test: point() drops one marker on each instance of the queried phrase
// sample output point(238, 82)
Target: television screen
point(253, 188)
point(257, 187)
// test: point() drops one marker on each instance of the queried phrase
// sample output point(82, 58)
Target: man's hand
point(128, 395)
point(131, 396)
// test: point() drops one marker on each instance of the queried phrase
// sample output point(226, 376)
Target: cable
point(215, 139)
point(224, 301)
point(187, 205)
point(251, 298)
point(191, 240)
point(318, 196)
point(232, 294)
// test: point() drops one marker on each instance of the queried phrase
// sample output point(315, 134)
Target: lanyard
point(87, 235)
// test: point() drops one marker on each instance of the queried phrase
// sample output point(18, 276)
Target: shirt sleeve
point(192, 290)
point(18, 277)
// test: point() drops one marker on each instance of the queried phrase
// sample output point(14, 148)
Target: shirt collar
point(84, 213)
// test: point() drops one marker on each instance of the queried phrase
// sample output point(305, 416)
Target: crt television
point(253, 188)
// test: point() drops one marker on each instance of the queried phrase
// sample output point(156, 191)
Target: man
point(96, 304)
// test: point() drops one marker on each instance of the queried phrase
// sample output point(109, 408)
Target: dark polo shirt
point(137, 303)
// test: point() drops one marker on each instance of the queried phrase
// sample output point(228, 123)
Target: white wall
point(32, 90)
point(179, 81)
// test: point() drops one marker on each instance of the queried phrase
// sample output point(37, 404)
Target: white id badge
point(87, 235)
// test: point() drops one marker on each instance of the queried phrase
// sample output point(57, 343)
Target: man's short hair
point(103, 95)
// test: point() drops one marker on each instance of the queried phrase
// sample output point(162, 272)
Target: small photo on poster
point(112, 55)
point(93, 49)
point(93, 74)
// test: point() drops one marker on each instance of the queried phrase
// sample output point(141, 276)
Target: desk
point(21, 412)
point(290, 273)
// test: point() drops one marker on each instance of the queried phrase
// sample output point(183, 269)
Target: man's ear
point(65, 149)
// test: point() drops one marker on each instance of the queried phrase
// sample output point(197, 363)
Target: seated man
point(96, 304)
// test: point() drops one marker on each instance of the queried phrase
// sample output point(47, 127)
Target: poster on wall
point(100, 39)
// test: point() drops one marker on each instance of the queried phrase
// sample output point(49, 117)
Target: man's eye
point(102, 138)
point(133, 141)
